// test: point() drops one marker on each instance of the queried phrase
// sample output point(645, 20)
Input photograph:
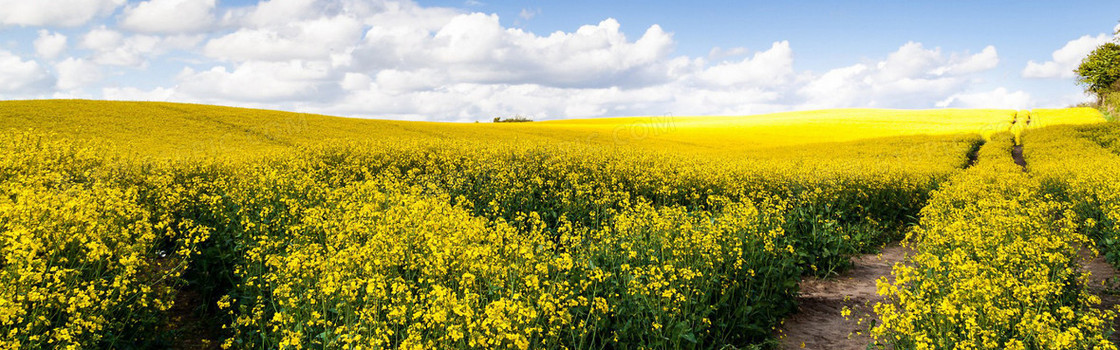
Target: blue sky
point(472, 60)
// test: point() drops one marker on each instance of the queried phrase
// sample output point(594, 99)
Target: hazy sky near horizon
point(458, 60)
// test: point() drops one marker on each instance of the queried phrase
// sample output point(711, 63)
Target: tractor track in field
point(1017, 155)
point(189, 328)
point(973, 154)
point(1017, 151)
point(1104, 282)
point(819, 323)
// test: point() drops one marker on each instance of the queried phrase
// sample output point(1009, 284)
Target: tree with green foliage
point(514, 119)
point(1099, 73)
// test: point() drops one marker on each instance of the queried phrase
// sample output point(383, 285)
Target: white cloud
point(134, 94)
point(355, 82)
point(766, 68)
point(19, 76)
point(73, 94)
point(260, 81)
point(528, 14)
point(169, 16)
point(49, 45)
point(401, 81)
point(310, 39)
point(911, 77)
point(403, 14)
point(113, 48)
point(65, 13)
point(101, 39)
point(1064, 100)
point(839, 87)
point(998, 98)
point(475, 48)
point(985, 60)
point(471, 101)
point(717, 52)
point(75, 73)
point(279, 12)
point(1066, 59)
point(911, 59)
point(397, 59)
point(422, 63)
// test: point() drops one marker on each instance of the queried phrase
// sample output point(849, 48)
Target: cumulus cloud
point(912, 76)
point(260, 81)
point(312, 39)
point(770, 67)
point(909, 60)
point(985, 60)
point(169, 16)
point(476, 48)
point(470, 101)
point(717, 52)
point(64, 13)
point(134, 94)
point(764, 82)
point(114, 48)
point(998, 98)
point(398, 59)
point(528, 14)
point(20, 76)
point(75, 73)
point(278, 12)
point(840, 87)
point(1066, 59)
point(49, 45)
point(403, 61)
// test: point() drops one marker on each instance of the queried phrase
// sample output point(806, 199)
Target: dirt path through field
point(818, 324)
point(1017, 155)
point(190, 331)
point(1102, 283)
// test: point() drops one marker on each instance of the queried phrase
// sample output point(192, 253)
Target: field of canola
point(303, 231)
point(999, 247)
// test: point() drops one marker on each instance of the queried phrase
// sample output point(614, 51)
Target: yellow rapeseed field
point(304, 231)
point(1079, 163)
point(739, 133)
point(176, 128)
point(997, 266)
point(1068, 116)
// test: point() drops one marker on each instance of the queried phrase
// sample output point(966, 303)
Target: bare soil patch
point(819, 324)
point(190, 331)
point(1017, 154)
point(1104, 282)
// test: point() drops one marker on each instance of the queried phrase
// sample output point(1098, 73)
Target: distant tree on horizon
point(1099, 72)
point(514, 119)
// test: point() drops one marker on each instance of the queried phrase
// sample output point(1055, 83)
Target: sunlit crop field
point(738, 133)
point(284, 230)
point(176, 129)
